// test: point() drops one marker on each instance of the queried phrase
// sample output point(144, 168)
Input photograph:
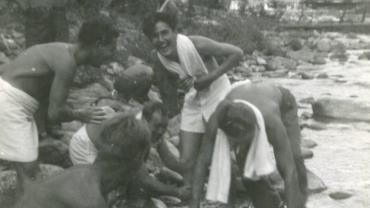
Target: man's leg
point(26, 172)
point(262, 193)
point(290, 120)
point(189, 147)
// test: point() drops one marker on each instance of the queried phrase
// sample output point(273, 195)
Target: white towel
point(81, 148)
point(18, 131)
point(259, 161)
point(190, 60)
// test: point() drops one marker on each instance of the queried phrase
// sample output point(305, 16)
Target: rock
point(54, 152)
point(308, 143)
point(306, 115)
point(306, 153)
point(318, 60)
point(323, 45)
point(305, 54)
point(8, 178)
point(243, 70)
point(308, 100)
point(339, 195)
point(259, 68)
point(261, 61)
point(365, 55)
point(3, 58)
point(315, 184)
point(340, 56)
point(314, 125)
point(84, 97)
point(304, 75)
point(158, 203)
point(277, 73)
point(347, 109)
point(322, 75)
point(295, 44)
point(307, 67)
point(278, 63)
point(273, 48)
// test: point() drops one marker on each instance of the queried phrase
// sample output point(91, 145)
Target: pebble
point(339, 195)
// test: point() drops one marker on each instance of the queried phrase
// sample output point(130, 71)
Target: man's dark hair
point(235, 116)
point(151, 107)
point(136, 87)
point(152, 19)
point(98, 29)
point(125, 139)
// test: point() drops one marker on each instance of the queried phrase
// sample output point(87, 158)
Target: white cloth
point(81, 149)
point(259, 161)
point(198, 106)
point(18, 131)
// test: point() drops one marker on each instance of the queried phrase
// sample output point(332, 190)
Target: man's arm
point(278, 138)
point(58, 110)
point(209, 47)
point(156, 187)
point(204, 159)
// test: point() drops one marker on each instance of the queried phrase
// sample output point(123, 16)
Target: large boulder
point(347, 109)
point(323, 45)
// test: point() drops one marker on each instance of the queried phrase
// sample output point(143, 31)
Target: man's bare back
point(34, 70)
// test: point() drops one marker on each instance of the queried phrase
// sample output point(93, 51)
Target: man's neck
point(78, 53)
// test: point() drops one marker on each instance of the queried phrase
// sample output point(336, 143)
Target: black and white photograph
point(184, 103)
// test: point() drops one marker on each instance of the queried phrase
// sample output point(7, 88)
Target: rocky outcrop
point(346, 109)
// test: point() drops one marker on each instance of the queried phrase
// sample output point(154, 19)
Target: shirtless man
point(87, 141)
point(237, 120)
point(188, 64)
point(43, 74)
point(124, 148)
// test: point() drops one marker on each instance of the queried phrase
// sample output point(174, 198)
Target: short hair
point(99, 28)
point(136, 87)
point(125, 139)
point(152, 19)
point(151, 107)
point(234, 116)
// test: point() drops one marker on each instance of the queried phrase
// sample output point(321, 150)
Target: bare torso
point(33, 70)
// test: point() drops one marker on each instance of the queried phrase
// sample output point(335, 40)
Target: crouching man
point(121, 154)
point(253, 117)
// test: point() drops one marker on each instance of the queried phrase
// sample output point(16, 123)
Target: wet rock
point(305, 54)
point(307, 67)
point(278, 63)
point(314, 125)
point(365, 55)
point(261, 61)
point(308, 100)
point(318, 60)
point(273, 48)
point(295, 44)
point(315, 184)
point(306, 153)
point(308, 143)
point(276, 74)
point(244, 70)
point(306, 115)
point(304, 75)
point(322, 75)
point(339, 195)
point(259, 68)
point(323, 45)
point(347, 109)
point(84, 97)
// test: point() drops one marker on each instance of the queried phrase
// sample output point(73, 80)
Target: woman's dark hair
point(152, 19)
point(125, 139)
point(98, 29)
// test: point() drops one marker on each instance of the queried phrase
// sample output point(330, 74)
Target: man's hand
point(93, 115)
point(185, 84)
point(203, 82)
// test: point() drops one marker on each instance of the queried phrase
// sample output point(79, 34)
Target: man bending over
point(247, 113)
point(43, 74)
